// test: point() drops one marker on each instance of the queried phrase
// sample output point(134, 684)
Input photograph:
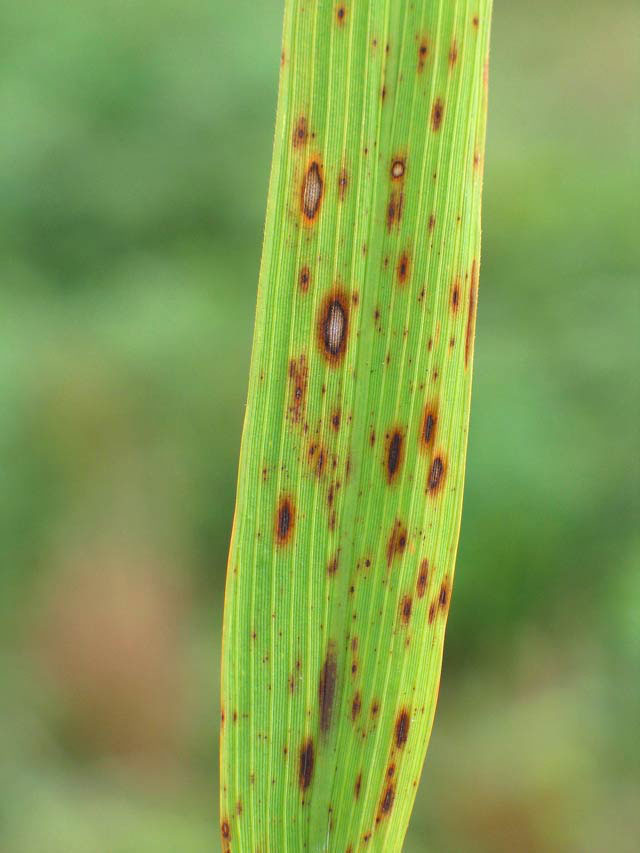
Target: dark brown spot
point(327, 687)
point(394, 453)
point(402, 728)
point(375, 707)
point(340, 14)
point(405, 609)
point(423, 577)
point(355, 706)
point(432, 612)
point(432, 222)
point(468, 343)
point(394, 209)
point(311, 192)
point(435, 475)
point(285, 519)
point(423, 51)
point(333, 325)
point(436, 114)
point(402, 269)
point(429, 423)
point(475, 21)
point(356, 787)
point(306, 764)
point(372, 437)
point(304, 279)
point(226, 831)
point(343, 183)
point(335, 421)
point(298, 375)
point(397, 169)
point(455, 295)
point(397, 541)
point(391, 769)
point(300, 132)
point(453, 54)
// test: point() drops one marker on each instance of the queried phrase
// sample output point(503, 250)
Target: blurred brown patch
point(108, 633)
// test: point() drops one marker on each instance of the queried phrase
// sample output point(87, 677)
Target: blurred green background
point(135, 144)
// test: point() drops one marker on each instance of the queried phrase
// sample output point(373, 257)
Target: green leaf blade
point(352, 463)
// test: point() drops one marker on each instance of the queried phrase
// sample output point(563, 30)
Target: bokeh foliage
point(134, 156)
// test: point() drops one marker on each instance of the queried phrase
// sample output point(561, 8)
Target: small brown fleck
point(356, 787)
point(327, 687)
point(453, 54)
point(402, 728)
point(402, 270)
point(333, 325)
point(317, 457)
point(435, 475)
point(432, 612)
point(429, 423)
point(306, 764)
point(226, 831)
point(375, 707)
point(432, 222)
point(285, 519)
point(423, 577)
point(394, 453)
point(300, 132)
point(475, 21)
point(405, 609)
point(335, 420)
point(397, 169)
point(436, 114)
point(444, 594)
point(372, 437)
point(304, 279)
point(311, 193)
point(397, 541)
point(239, 807)
point(340, 14)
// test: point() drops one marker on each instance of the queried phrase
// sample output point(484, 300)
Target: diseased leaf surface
point(352, 463)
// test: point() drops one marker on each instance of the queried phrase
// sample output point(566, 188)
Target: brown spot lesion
point(225, 829)
point(437, 113)
point(471, 317)
point(393, 453)
point(405, 609)
point(327, 687)
point(394, 209)
point(441, 603)
point(304, 279)
point(423, 578)
point(341, 14)
point(403, 721)
point(333, 325)
point(475, 22)
point(429, 425)
point(423, 53)
point(398, 167)
point(437, 474)
point(402, 269)
point(305, 774)
point(335, 420)
point(432, 222)
point(285, 520)
point(332, 566)
point(311, 191)
point(386, 802)
point(397, 541)
point(453, 54)
point(343, 183)
point(298, 379)
point(357, 785)
point(300, 133)
point(455, 296)
point(356, 705)
point(317, 458)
